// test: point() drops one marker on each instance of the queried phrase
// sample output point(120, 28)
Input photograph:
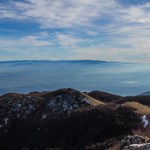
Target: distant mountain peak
point(145, 93)
point(61, 61)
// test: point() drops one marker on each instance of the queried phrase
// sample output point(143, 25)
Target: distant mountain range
point(145, 93)
point(68, 119)
point(59, 61)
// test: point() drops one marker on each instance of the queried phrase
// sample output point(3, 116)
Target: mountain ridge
point(67, 119)
point(145, 93)
point(69, 61)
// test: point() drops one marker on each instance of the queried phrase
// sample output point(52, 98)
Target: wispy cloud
point(70, 40)
point(36, 40)
point(129, 82)
point(60, 13)
point(87, 29)
point(135, 14)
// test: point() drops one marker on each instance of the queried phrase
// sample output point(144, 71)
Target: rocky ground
point(135, 143)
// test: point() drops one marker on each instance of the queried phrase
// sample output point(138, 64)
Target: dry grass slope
point(141, 109)
point(92, 100)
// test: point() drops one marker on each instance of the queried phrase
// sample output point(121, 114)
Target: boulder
point(145, 146)
point(131, 142)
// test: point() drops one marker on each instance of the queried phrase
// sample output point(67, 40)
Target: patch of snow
point(52, 103)
point(65, 105)
point(145, 121)
point(71, 108)
point(75, 105)
point(19, 105)
point(44, 116)
point(6, 121)
point(1, 125)
point(87, 101)
point(30, 107)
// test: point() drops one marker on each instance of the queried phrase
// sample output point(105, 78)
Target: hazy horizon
point(116, 78)
point(19, 60)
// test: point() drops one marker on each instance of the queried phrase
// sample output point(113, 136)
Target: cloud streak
point(59, 13)
point(36, 40)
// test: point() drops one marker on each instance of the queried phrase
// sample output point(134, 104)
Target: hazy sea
point(117, 78)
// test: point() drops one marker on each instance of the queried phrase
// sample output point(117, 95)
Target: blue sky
point(111, 30)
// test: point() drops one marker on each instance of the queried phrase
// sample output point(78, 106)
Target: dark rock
point(135, 142)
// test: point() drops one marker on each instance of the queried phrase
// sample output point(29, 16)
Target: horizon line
point(73, 60)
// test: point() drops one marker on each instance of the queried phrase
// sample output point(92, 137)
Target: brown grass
point(141, 109)
point(92, 100)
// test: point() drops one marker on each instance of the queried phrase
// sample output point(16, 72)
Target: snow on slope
point(42, 106)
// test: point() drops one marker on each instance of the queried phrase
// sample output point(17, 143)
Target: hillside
point(67, 119)
point(104, 96)
point(94, 127)
point(142, 99)
point(45, 104)
point(140, 109)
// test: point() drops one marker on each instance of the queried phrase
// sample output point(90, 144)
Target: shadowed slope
point(104, 97)
point(145, 100)
point(82, 129)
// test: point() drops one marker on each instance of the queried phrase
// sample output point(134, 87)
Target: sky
point(109, 30)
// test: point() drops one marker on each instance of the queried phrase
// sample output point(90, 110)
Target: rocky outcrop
point(135, 142)
point(138, 147)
